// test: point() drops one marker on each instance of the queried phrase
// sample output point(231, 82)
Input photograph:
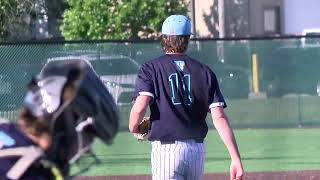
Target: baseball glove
point(143, 129)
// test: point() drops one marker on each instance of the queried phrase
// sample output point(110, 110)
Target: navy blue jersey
point(183, 91)
point(11, 137)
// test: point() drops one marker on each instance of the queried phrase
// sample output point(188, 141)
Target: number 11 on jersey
point(175, 84)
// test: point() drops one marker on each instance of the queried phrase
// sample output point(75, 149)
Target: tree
point(236, 18)
point(15, 19)
point(114, 19)
point(23, 19)
point(212, 19)
point(55, 9)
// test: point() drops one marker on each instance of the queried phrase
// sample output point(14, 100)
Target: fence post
point(299, 112)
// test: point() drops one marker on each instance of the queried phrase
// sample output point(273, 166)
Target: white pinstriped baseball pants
point(182, 160)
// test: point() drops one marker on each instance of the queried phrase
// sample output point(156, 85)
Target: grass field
point(262, 150)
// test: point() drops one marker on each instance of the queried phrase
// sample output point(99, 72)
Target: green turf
point(261, 150)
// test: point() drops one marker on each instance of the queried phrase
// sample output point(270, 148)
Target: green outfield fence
point(283, 92)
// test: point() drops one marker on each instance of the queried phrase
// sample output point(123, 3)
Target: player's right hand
point(236, 170)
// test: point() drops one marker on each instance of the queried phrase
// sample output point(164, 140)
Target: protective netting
point(281, 91)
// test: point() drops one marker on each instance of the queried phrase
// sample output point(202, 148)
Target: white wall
point(301, 14)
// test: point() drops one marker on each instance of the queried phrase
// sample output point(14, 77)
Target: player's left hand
point(236, 170)
point(143, 129)
point(140, 137)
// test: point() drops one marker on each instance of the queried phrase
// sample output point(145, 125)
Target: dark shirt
point(11, 137)
point(183, 92)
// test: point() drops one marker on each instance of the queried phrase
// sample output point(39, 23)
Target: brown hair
point(37, 125)
point(32, 124)
point(174, 44)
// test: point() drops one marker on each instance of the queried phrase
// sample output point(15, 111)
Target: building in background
point(252, 18)
point(266, 17)
point(202, 17)
point(205, 17)
point(241, 18)
point(300, 16)
point(283, 17)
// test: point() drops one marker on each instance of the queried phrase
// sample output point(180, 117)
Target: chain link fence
point(267, 83)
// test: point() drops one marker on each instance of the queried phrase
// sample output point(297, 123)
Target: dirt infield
point(292, 175)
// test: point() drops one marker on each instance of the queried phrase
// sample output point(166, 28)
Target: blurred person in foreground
point(66, 106)
point(180, 92)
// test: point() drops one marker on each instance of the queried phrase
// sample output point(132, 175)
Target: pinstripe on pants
point(182, 160)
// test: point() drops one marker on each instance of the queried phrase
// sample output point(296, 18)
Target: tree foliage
point(15, 16)
point(114, 19)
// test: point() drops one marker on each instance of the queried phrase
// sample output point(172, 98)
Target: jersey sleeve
point(144, 84)
point(215, 96)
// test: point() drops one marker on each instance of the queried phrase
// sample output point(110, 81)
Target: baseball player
point(180, 91)
point(65, 108)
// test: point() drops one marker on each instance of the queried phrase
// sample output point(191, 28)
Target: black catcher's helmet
point(72, 100)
